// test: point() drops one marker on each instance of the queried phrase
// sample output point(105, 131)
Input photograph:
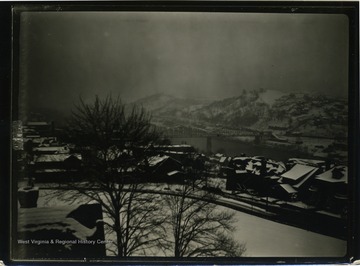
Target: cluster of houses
point(49, 160)
point(79, 229)
point(317, 183)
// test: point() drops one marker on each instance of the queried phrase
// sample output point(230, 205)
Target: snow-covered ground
point(263, 238)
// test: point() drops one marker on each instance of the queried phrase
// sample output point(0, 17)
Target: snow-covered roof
point(173, 173)
point(223, 159)
point(55, 157)
point(52, 218)
point(328, 175)
point(273, 177)
point(257, 163)
point(277, 168)
point(240, 171)
point(54, 149)
point(289, 189)
point(154, 160)
point(38, 123)
point(306, 161)
point(298, 171)
point(55, 170)
point(306, 177)
point(241, 158)
point(175, 152)
point(173, 146)
point(279, 138)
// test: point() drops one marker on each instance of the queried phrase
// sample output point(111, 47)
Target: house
point(181, 152)
point(160, 166)
point(242, 180)
point(262, 166)
point(300, 178)
point(69, 232)
point(180, 156)
point(330, 189)
point(252, 172)
point(56, 167)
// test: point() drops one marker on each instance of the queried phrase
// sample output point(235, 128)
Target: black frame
point(9, 60)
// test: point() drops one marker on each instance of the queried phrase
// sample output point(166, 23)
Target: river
point(235, 148)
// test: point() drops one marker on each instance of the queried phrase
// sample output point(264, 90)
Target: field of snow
point(263, 238)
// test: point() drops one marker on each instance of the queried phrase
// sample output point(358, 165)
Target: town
point(306, 193)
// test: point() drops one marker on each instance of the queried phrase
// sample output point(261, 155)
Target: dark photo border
point(9, 111)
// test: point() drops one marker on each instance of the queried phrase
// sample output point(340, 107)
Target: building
point(300, 177)
point(56, 167)
point(69, 232)
point(330, 190)
point(242, 180)
point(298, 174)
point(163, 168)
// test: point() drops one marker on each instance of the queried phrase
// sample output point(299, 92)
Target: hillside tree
point(114, 145)
point(197, 228)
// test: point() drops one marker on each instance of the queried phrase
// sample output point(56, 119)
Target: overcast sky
point(131, 54)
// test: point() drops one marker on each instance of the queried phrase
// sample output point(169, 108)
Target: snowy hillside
point(312, 115)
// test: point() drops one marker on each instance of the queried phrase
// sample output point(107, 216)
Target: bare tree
point(114, 148)
point(198, 229)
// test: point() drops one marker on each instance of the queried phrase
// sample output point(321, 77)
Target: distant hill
point(243, 110)
point(312, 115)
point(285, 113)
point(166, 105)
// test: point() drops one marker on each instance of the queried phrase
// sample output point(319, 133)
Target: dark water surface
point(236, 148)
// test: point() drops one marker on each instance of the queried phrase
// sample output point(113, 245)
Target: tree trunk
point(177, 250)
point(118, 238)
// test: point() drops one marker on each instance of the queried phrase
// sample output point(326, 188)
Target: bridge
point(195, 131)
